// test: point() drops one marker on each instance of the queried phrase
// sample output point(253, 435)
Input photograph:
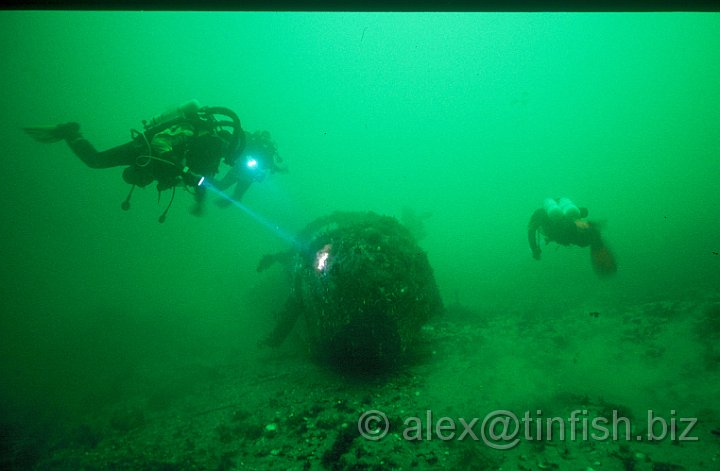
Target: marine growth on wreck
point(363, 287)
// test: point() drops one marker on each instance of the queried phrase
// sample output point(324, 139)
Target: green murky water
point(472, 118)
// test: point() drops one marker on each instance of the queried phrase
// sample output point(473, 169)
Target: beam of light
point(274, 228)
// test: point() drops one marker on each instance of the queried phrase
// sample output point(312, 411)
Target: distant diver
point(183, 146)
point(561, 221)
point(257, 159)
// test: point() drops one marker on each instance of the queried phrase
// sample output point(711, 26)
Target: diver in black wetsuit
point(181, 147)
point(560, 221)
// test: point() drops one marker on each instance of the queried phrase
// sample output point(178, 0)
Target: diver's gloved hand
point(536, 254)
point(50, 134)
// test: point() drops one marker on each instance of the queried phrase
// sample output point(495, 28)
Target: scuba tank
point(158, 123)
point(161, 121)
point(568, 208)
point(552, 209)
point(204, 121)
point(561, 208)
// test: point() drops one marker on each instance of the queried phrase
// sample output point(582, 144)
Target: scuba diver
point(560, 221)
point(183, 146)
point(258, 158)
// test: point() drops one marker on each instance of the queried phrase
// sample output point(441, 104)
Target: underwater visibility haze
point(129, 344)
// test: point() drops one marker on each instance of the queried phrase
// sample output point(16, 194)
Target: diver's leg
point(124, 154)
point(70, 133)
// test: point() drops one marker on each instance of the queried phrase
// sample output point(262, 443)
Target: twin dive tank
point(562, 207)
point(183, 111)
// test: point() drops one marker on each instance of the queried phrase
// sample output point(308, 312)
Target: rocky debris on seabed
point(275, 410)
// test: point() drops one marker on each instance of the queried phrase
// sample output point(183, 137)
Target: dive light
point(258, 173)
point(192, 179)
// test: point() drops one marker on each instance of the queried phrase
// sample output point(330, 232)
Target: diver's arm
point(536, 221)
point(285, 323)
point(242, 186)
point(226, 182)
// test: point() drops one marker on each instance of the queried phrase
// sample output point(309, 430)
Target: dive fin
point(50, 134)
